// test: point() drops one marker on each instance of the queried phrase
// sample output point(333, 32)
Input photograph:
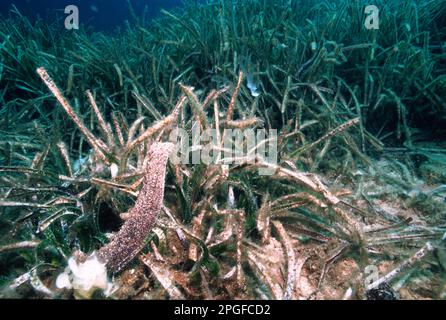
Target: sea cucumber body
point(129, 241)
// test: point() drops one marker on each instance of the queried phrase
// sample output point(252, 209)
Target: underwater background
point(354, 208)
point(102, 15)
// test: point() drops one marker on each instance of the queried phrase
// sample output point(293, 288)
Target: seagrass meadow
point(90, 206)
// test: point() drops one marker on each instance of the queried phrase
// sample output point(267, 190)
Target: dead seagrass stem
point(98, 145)
point(127, 243)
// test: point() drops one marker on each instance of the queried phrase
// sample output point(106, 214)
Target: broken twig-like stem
point(409, 262)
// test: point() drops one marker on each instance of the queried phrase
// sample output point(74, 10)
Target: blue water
point(102, 15)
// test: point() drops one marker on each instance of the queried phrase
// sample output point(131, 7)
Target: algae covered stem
point(127, 243)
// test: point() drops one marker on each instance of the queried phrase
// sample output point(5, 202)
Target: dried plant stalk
point(158, 126)
point(329, 135)
point(234, 97)
point(291, 269)
point(103, 125)
point(20, 245)
point(94, 142)
point(312, 182)
point(66, 157)
point(164, 276)
point(263, 273)
point(263, 220)
point(127, 189)
point(118, 130)
point(197, 108)
point(428, 247)
point(196, 229)
point(242, 124)
point(23, 204)
point(241, 282)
